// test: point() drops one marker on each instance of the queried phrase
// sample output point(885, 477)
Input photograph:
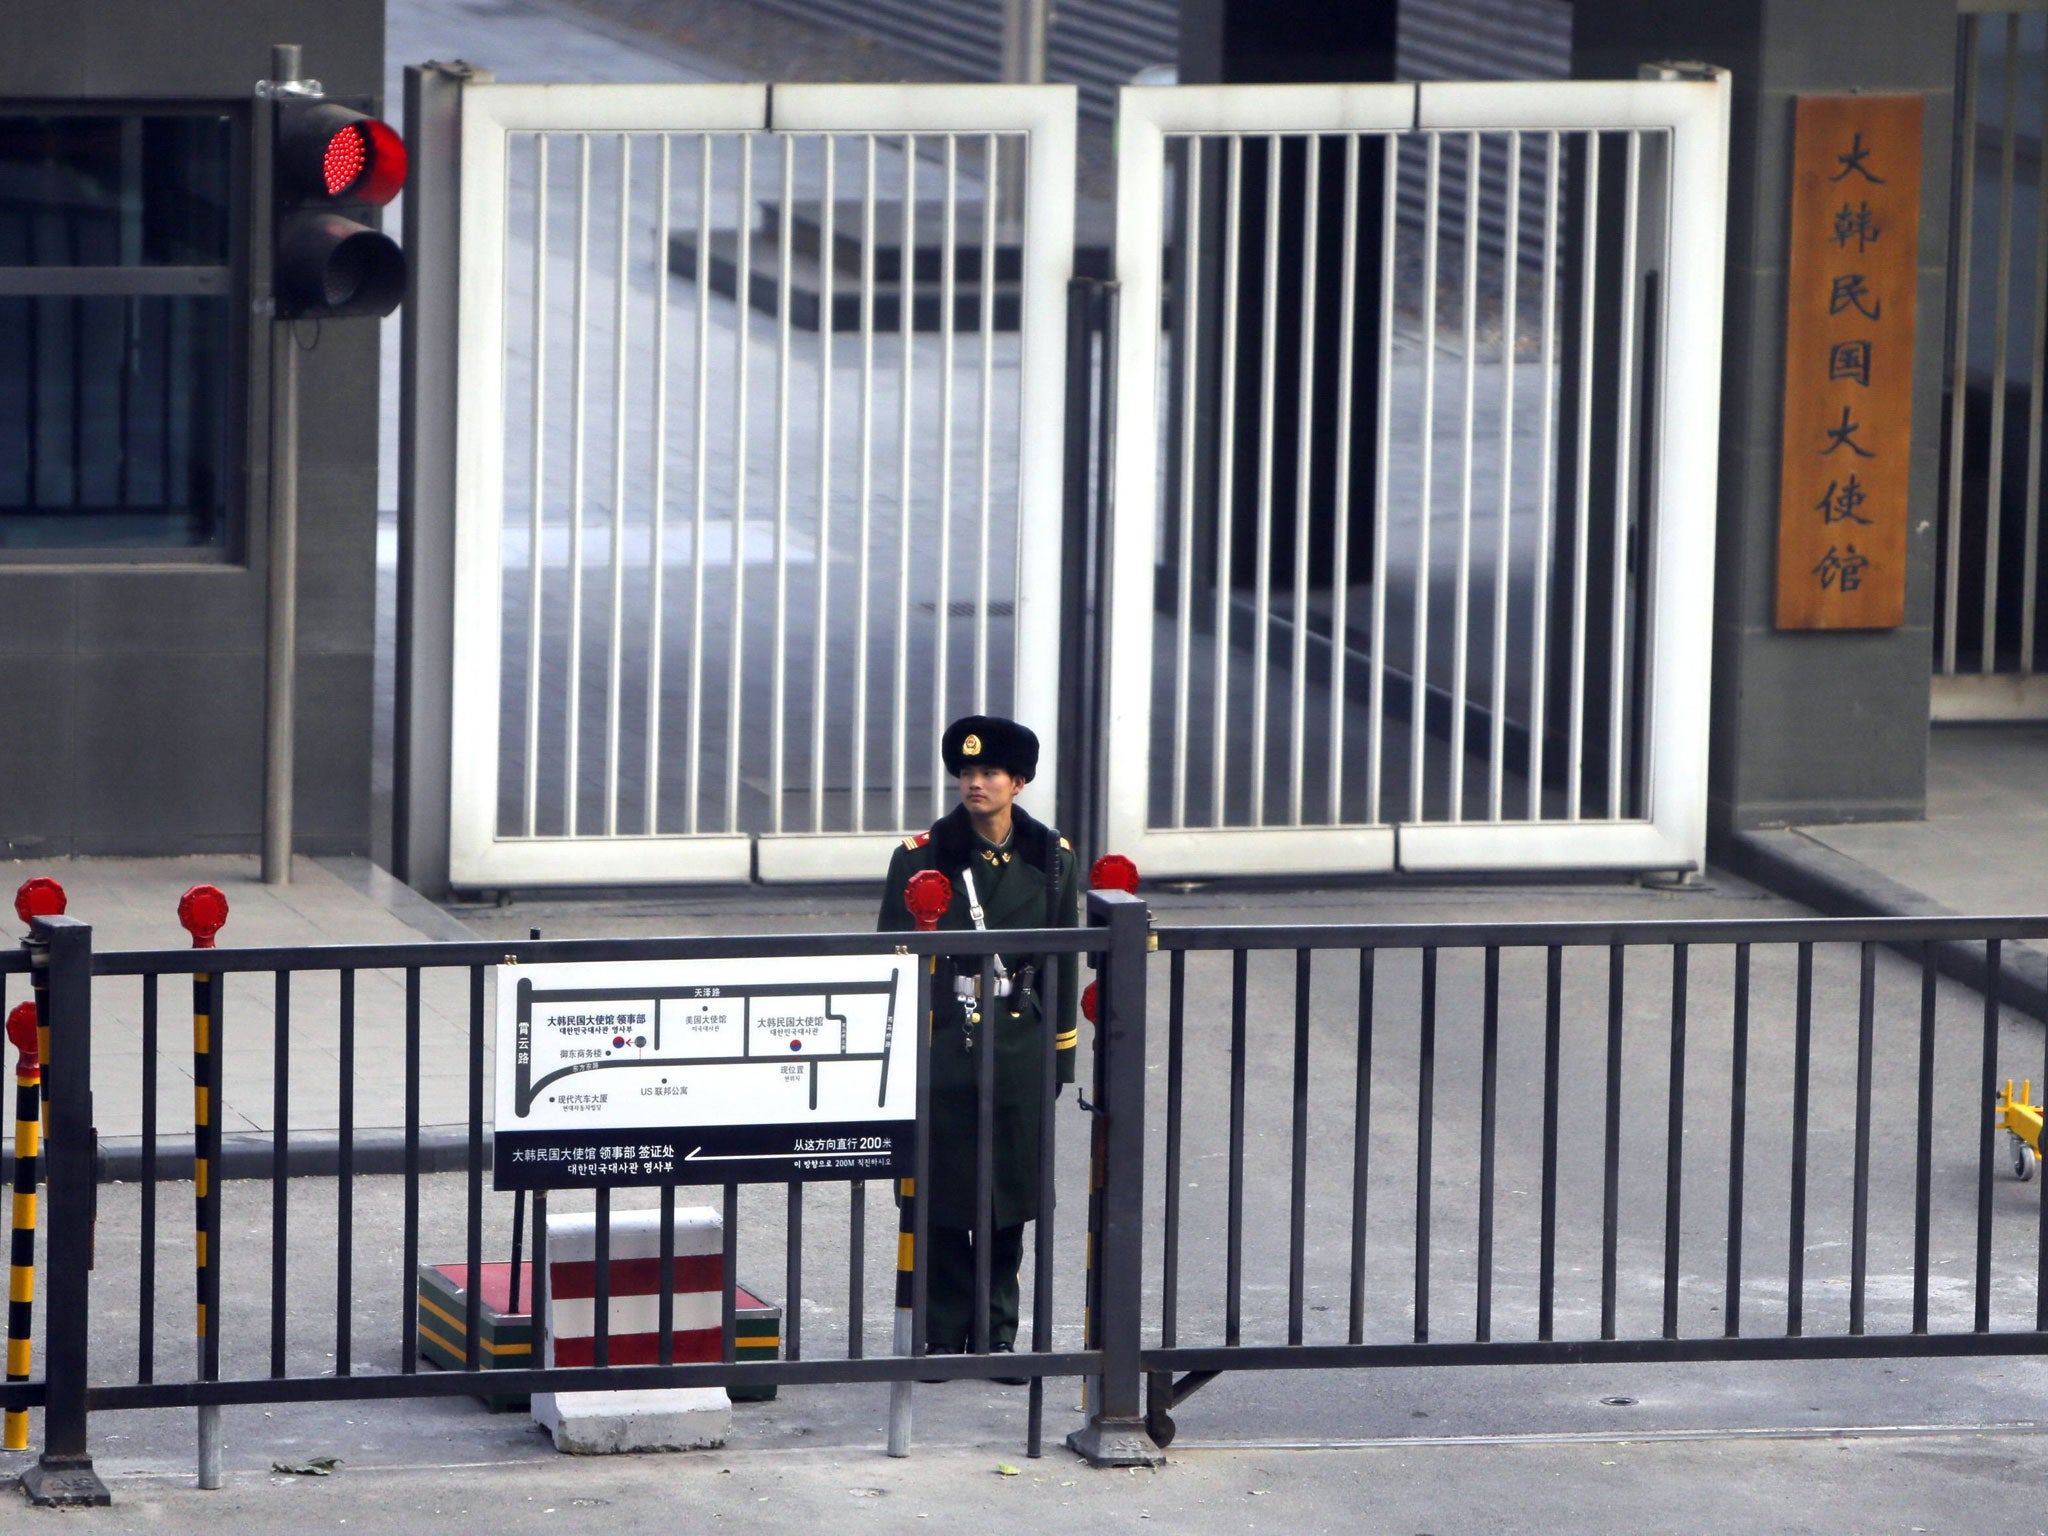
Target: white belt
point(969, 987)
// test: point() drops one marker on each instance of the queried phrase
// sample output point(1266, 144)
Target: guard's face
point(988, 791)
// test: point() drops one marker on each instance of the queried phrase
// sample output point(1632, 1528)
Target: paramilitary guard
point(1008, 870)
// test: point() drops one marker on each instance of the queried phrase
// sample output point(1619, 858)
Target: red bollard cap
point(1088, 1001)
point(203, 911)
point(926, 895)
point(1113, 872)
point(21, 1030)
point(40, 897)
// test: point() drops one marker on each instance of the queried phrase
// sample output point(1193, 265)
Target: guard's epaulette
point(918, 841)
point(1065, 846)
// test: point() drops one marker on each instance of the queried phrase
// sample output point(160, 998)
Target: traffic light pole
point(281, 627)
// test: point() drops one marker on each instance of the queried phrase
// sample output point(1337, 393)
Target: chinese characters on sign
point(1849, 362)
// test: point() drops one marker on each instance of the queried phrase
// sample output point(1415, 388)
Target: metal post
point(1115, 1435)
point(202, 912)
point(280, 635)
point(60, 950)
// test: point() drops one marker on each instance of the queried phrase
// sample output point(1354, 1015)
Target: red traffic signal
point(331, 161)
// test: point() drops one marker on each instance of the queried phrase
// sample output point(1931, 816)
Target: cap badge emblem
point(971, 747)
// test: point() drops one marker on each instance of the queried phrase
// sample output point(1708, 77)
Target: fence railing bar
point(345, 1179)
point(1802, 1085)
point(665, 1304)
point(1489, 1087)
point(572, 711)
point(615, 652)
point(1589, 264)
point(728, 1302)
point(145, 1346)
point(1226, 481)
point(1509, 328)
point(1962, 222)
point(1738, 1133)
point(1987, 1095)
point(1624, 484)
point(601, 1279)
point(1546, 1255)
point(409, 1241)
point(1262, 559)
point(942, 608)
point(1461, 604)
point(700, 467)
point(1994, 499)
point(536, 529)
point(828, 298)
point(1923, 1143)
point(1361, 1147)
point(1425, 1130)
point(987, 416)
point(1610, 1176)
point(542, 1276)
point(1674, 1140)
point(280, 1160)
point(864, 556)
point(735, 692)
point(856, 1270)
point(1233, 1280)
point(2041, 1220)
point(1297, 1202)
point(778, 666)
point(1188, 340)
point(1383, 447)
point(657, 506)
point(1546, 484)
point(1340, 551)
point(1176, 1088)
point(899, 720)
point(1304, 463)
point(473, 1274)
point(1044, 1237)
point(793, 1273)
point(1859, 1241)
point(1417, 732)
point(984, 1150)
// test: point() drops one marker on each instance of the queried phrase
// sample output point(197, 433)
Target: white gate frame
point(1678, 594)
point(478, 856)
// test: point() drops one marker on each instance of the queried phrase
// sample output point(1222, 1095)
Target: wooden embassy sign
point(1849, 362)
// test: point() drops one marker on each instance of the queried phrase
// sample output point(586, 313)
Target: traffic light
point(332, 161)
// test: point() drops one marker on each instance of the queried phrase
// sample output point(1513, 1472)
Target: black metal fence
point(1492, 1144)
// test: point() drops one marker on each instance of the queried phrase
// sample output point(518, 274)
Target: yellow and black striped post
point(926, 896)
point(41, 897)
point(21, 1258)
point(203, 911)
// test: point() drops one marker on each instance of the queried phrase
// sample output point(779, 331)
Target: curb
point(1836, 885)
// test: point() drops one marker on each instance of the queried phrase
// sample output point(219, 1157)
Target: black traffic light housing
point(330, 162)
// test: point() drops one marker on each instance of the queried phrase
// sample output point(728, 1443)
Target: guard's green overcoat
point(1014, 893)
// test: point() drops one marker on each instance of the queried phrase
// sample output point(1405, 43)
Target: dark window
point(117, 334)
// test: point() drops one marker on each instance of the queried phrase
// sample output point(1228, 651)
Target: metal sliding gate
point(1414, 526)
point(758, 445)
point(1305, 1148)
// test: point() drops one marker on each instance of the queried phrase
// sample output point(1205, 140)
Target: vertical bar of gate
point(657, 505)
point(536, 531)
point(1176, 1059)
point(543, 1271)
point(1674, 1139)
point(1546, 483)
point(1987, 1094)
point(2041, 1222)
point(1226, 479)
point(145, 1347)
point(573, 691)
point(1738, 1113)
point(793, 1273)
point(1923, 1143)
point(1304, 443)
point(1961, 222)
point(1361, 1146)
point(778, 645)
point(899, 717)
point(1187, 338)
point(1994, 489)
point(828, 304)
point(1461, 602)
point(700, 475)
point(1802, 1083)
point(1511, 264)
point(409, 1263)
point(863, 557)
point(1340, 543)
point(985, 1014)
point(1546, 1253)
point(989, 196)
point(1048, 1162)
point(1610, 1173)
point(1589, 257)
point(1425, 1126)
point(1115, 1433)
point(665, 1305)
point(1297, 1205)
point(1418, 707)
point(1624, 483)
point(942, 606)
point(1233, 1260)
point(280, 1157)
point(856, 1270)
point(1489, 1084)
point(1383, 449)
point(61, 948)
point(729, 1253)
point(1262, 571)
point(1859, 1250)
point(743, 312)
point(345, 1177)
point(2030, 567)
point(601, 1278)
point(473, 1275)
point(616, 640)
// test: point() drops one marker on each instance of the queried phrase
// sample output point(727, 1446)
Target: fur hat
point(989, 741)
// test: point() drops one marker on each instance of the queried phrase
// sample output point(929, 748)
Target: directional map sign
point(699, 1071)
